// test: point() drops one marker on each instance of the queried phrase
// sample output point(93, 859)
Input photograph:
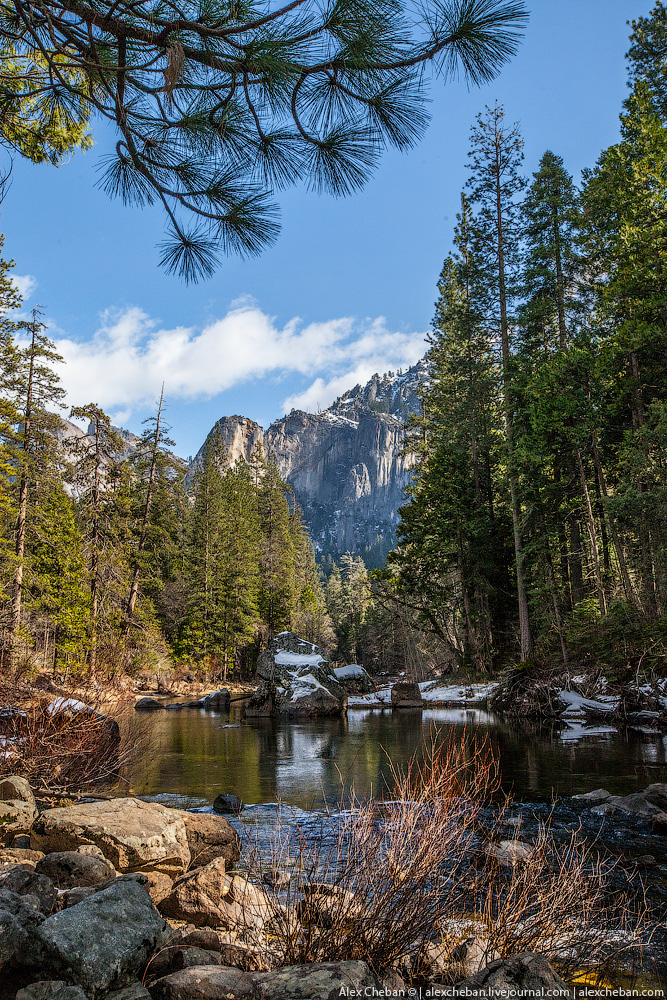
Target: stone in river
point(228, 803)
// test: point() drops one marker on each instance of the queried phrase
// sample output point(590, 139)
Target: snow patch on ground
point(456, 693)
point(577, 704)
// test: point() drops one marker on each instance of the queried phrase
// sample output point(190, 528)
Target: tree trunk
point(593, 535)
point(630, 593)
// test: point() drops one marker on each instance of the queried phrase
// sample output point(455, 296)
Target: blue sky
point(349, 287)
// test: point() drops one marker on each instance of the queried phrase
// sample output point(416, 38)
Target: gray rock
point(509, 852)
point(102, 942)
point(26, 882)
point(17, 808)
point(656, 794)
point(526, 971)
point(206, 982)
point(135, 991)
point(228, 803)
point(276, 878)
point(20, 856)
point(148, 705)
point(173, 958)
point(68, 869)
point(19, 920)
point(210, 837)
point(14, 788)
point(232, 951)
point(210, 897)
point(406, 694)
point(318, 981)
point(594, 798)
point(132, 834)
point(51, 990)
point(297, 680)
point(217, 701)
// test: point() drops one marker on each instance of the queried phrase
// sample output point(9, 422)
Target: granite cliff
point(345, 464)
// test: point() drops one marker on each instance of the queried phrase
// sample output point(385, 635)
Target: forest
point(534, 527)
point(535, 524)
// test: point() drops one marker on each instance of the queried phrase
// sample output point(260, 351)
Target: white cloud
point(25, 283)
point(125, 363)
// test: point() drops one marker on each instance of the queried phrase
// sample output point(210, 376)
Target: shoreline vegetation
point(432, 885)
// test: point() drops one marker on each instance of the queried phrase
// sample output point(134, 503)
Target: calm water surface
point(190, 757)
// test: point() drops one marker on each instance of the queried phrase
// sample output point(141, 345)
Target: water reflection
point(304, 763)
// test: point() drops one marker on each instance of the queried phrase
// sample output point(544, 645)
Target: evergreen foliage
point(218, 105)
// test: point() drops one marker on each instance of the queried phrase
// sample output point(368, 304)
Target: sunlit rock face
point(346, 464)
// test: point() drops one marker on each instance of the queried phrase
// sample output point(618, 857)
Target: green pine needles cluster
point(537, 517)
point(110, 563)
point(219, 104)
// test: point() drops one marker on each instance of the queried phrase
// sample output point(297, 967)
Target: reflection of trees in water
point(188, 753)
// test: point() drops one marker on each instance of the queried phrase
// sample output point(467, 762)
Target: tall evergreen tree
point(495, 183)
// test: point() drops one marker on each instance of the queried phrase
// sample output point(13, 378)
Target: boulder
point(206, 982)
point(276, 878)
point(217, 701)
point(526, 972)
point(26, 882)
point(509, 852)
point(148, 705)
point(318, 981)
point(17, 808)
point(329, 906)
point(19, 920)
point(297, 680)
point(51, 990)
point(68, 869)
point(228, 803)
point(656, 794)
point(208, 897)
point(132, 834)
point(158, 885)
point(172, 959)
point(232, 952)
point(354, 679)
point(14, 788)
point(135, 991)
point(406, 694)
point(594, 798)
point(20, 856)
point(102, 942)
point(453, 959)
point(210, 837)
point(659, 824)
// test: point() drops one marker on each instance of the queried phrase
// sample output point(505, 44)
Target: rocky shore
point(131, 900)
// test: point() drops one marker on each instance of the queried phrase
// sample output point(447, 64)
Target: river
point(191, 756)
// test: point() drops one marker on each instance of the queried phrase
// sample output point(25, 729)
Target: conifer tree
point(35, 449)
point(495, 182)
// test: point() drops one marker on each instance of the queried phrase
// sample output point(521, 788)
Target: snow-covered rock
point(354, 678)
point(296, 679)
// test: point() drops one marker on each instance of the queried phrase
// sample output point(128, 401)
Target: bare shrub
point(385, 880)
point(65, 749)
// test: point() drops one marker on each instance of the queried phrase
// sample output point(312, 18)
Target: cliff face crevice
point(345, 464)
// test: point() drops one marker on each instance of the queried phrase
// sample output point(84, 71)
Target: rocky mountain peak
point(345, 464)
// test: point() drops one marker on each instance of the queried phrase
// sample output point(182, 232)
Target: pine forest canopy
point(218, 104)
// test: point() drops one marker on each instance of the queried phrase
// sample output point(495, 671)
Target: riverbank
point(175, 903)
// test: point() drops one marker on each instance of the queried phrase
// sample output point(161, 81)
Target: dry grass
point(392, 882)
